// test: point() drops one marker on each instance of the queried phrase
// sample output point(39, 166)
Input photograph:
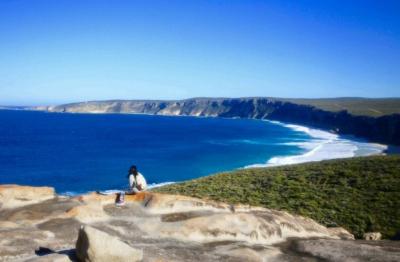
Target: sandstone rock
point(89, 213)
point(8, 224)
point(164, 203)
point(341, 233)
point(21, 242)
point(55, 257)
point(94, 245)
point(266, 227)
point(36, 213)
point(345, 250)
point(96, 198)
point(259, 254)
point(174, 228)
point(12, 196)
point(372, 236)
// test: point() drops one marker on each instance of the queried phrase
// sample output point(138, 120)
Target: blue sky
point(61, 51)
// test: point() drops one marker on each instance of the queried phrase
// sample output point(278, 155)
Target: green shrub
point(360, 194)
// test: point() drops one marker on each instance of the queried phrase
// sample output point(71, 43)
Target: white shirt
point(139, 181)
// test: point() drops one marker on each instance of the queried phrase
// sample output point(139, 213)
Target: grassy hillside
point(360, 194)
point(357, 106)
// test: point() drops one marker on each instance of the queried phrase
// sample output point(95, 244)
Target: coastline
point(319, 147)
point(323, 145)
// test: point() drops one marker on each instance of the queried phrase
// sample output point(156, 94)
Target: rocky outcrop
point(94, 245)
point(341, 233)
point(339, 250)
point(383, 129)
point(12, 196)
point(165, 228)
point(373, 236)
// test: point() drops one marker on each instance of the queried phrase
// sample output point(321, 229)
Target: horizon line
point(202, 97)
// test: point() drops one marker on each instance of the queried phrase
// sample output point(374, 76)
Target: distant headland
point(375, 119)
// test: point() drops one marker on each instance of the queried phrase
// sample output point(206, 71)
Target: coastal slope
point(360, 194)
point(383, 128)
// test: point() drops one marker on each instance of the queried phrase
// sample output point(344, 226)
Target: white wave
point(249, 142)
point(78, 193)
point(323, 146)
point(154, 185)
point(72, 193)
point(237, 142)
point(113, 191)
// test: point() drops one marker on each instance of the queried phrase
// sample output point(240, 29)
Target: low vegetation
point(374, 107)
point(359, 194)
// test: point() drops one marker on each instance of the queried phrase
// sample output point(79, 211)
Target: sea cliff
point(383, 129)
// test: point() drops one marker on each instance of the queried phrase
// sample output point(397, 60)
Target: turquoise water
point(83, 152)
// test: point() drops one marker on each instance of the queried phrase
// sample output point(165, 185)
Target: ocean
point(77, 153)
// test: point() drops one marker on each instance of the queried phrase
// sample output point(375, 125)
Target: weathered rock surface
point(15, 196)
point(339, 250)
point(341, 232)
point(54, 257)
point(171, 228)
point(94, 245)
point(373, 236)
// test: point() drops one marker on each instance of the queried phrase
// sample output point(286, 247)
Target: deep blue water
point(83, 152)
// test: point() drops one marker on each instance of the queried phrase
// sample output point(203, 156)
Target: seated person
point(137, 182)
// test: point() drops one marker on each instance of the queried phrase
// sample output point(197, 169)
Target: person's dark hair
point(132, 170)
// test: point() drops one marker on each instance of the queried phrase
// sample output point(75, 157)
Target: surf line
point(322, 145)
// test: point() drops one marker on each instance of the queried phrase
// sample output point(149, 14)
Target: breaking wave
point(323, 145)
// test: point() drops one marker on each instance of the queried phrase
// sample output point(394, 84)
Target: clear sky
point(60, 51)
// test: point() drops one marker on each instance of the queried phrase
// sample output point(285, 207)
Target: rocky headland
point(38, 225)
point(384, 128)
